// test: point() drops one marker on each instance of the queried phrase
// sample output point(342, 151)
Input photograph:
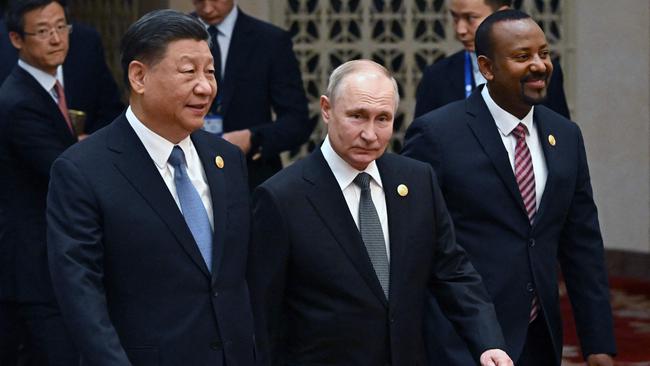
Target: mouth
point(198, 108)
point(535, 81)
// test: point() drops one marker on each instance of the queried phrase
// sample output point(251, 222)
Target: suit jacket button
point(216, 293)
point(529, 287)
point(531, 242)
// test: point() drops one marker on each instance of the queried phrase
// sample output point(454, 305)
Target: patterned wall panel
point(403, 35)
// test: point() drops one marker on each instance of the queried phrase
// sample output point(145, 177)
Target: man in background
point(34, 130)
point(514, 175)
point(90, 87)
point(258, 77)
point(456, 76)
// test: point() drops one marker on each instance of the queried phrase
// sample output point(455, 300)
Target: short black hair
point(483, 38)
point(496, 4)
point(147, 39)
point(18, 8)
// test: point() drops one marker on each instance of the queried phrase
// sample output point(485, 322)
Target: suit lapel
point(456, 76)
point(241, 45)
point(327, 199)
point(49, 105)
point(134, 162)
point(217, 184)
point(551, 157)
point(484, 128)
point(396, 209)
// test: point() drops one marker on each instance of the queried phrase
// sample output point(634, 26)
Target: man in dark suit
point(148, 219)
point(515, 178)
point(33, 132)
point(89, 85)
point(455, 77)
point(259, 77)
point(339, 280)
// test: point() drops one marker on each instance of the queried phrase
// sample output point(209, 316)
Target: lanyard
point(468, 74)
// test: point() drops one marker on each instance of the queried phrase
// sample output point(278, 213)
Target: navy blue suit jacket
point(516, 260)
point(315, 292)
point(262, 76)
point(89, 85)
point(126, 270)
point(444, 82)
point(33, 133)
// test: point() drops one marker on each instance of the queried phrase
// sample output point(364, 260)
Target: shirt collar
point(157, 146)
point(505, 121)
point(46, 80)
point(343, 172)
point(227, 25)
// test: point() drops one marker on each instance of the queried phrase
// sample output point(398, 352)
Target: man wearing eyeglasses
point(35, 127)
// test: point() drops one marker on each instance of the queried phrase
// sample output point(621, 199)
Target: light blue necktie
point(192, 207)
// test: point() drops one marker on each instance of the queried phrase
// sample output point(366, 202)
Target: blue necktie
point(192, 207)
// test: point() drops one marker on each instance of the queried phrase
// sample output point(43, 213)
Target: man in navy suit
point(148, 219)
point(515, 178)
point(33, 132)
point(455, 77)
point(89, 85)
point(259, 77)
point(339, 280)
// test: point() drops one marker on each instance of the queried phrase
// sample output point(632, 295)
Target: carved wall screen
point(403, 35)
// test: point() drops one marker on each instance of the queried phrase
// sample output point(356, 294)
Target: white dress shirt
point(345, 174)
point(160, 149)
point(225, 29)
point(506, 122)
point(478, 77)
point(46, 80)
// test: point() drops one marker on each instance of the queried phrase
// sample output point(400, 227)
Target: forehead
point(190, 49)
point(366, 88)
point(470, 6)
point(517, 34)
point(51, 12)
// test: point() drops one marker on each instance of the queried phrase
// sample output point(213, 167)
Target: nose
point(206, 85)
point(368, 132)
point(540, 65)
point(55, 37)
point(460, 27)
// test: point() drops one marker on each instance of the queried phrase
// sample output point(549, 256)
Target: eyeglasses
point(45, 33)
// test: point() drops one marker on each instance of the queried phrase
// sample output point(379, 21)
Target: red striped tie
point(63, 106)
point(526, 181)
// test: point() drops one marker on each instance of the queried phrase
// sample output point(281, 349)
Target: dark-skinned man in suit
point(454, 77)
point(514, 175)
point(339, 280)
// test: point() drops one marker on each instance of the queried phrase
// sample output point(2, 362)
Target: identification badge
point(213, 123)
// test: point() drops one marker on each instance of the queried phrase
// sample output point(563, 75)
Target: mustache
point(534, 76)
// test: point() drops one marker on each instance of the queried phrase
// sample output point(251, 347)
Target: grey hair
point(350, 67)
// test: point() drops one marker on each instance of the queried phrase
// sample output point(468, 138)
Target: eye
point(544, 53)
point(521, 57)
point(61, 27)
point(42, 32)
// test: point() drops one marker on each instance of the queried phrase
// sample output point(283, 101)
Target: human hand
point(600, 359)
point(241, 138)
point(495, 357)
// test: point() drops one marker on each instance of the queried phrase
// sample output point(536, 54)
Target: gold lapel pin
point(402, 190)
point(219, 161)
point(551, 140)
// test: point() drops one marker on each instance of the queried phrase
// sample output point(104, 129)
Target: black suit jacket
point(89, 85)
point(126, 270)
point(516, 260)
point(317, 297)
point(444, 82)
point(262, 76)
point(33, 133)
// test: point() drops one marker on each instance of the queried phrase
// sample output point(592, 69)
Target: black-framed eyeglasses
point(45, 33)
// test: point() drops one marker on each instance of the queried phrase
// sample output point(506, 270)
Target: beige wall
point(256, 8)
point(612, 98)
